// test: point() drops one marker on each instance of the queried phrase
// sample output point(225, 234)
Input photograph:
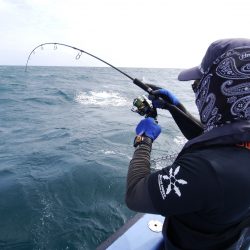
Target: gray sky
point(129, 33)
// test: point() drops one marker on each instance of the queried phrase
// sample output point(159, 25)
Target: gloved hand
point(148, 127)
point(166, 98)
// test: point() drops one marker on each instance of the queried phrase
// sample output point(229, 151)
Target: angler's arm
point(187, 123)
point(137, 195)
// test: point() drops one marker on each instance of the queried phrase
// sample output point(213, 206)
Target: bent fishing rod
point(80, 51)
point(142, 105)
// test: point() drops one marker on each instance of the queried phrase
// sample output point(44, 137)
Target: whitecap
point(108, 152)
point(102, 98)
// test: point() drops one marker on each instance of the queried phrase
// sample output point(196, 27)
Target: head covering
point(216, 49)
point(223, 94)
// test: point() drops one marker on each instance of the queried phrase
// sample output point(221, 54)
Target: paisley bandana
point(223, 94)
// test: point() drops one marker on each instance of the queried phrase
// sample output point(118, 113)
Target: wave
point(101, 98)
point(41, 100)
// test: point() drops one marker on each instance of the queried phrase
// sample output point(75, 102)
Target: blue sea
point(66, 137)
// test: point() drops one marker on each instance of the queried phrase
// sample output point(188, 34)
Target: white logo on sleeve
point(172, 181)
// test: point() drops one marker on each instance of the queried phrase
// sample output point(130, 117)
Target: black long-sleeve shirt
point(204, 194)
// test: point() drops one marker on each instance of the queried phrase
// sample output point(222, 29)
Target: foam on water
point(101, 98)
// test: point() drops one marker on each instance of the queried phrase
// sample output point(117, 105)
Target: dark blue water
point(65, 145)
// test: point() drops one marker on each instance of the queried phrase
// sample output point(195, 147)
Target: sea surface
point(66, 137)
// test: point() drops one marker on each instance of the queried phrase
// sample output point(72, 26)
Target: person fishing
point(205, 194)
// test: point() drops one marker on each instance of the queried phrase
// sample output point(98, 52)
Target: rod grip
point(142, 85)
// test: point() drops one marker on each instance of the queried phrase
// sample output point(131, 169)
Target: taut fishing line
point(141, 105)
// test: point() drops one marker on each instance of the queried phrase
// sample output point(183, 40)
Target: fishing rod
point(141, 104)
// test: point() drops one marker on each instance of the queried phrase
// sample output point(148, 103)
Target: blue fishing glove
point(148, 127)
point(166, 98)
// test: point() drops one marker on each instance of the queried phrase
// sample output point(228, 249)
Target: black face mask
point(195, 85)
point(223, 94)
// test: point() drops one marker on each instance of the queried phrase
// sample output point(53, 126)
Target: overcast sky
point(126, 33)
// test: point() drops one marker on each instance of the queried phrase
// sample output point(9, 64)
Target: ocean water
point(66, 138)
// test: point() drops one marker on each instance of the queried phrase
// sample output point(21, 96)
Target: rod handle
point(142, 85)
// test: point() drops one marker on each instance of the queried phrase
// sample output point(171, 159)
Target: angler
point(205, 194)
